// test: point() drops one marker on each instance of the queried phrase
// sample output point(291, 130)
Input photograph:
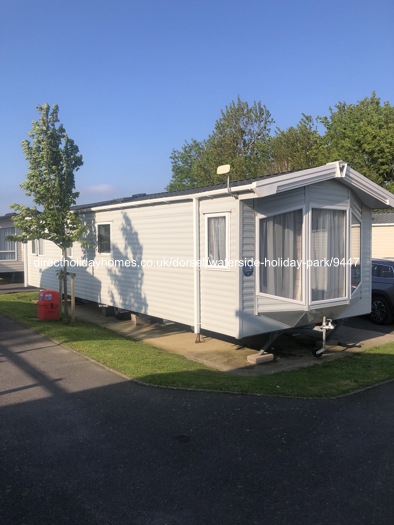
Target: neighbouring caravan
point(383, 234)
point(260, 256)
point(11, 253)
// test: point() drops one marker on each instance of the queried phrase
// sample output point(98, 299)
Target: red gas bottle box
point(48, 305)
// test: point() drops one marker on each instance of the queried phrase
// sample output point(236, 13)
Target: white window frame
point(226, 265)
point(37, 247)
point(345, 298)
point(303, 249)
point(358, 217)
point(110, 238)
point(15, 250)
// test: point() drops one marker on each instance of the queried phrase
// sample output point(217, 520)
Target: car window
point(382, 270)
point(386, 271)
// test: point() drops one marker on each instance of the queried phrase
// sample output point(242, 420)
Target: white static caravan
point(263, 256)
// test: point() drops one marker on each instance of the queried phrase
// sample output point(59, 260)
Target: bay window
point(328, 254)
point(281, 255)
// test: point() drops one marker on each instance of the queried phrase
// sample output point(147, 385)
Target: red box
point(48, 305)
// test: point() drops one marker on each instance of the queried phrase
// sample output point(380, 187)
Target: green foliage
point(53, 158)
point(240, 138)
point(295, 148)
point(184, 163)
point(362, 134)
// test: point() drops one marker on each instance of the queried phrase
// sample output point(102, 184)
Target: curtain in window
point(7, 248)
point(217, 241)
point(280, 251)
point(104, 238)
point(328, 251)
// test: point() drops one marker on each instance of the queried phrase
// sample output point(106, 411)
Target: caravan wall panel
point(220, 287)
point(248, 251)
point(144, 272)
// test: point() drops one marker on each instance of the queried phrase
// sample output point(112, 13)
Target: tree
point(362, 134)
point(240, 138)
point(295, 148)
point(53, 158)
point(184, 163)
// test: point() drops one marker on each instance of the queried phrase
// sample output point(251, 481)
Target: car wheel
point(380, 311)
point(121, 315)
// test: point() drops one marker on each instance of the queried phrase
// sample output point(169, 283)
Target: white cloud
point(101, 188)
point(97, 193)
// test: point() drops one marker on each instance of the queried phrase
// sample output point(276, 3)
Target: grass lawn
point(154, 366)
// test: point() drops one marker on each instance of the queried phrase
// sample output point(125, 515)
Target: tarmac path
point(81, 445)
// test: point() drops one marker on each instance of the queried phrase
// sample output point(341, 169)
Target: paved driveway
point(81, 445)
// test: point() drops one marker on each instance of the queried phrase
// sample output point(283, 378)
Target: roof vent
point(137, 195)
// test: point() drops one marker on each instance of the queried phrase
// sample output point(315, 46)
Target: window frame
point(226, 265)
point(346, 297)
point(283, 211)
point(98, 238)
point(37, 247)
point(15, 250)
point(357, 216)
point(70, 251)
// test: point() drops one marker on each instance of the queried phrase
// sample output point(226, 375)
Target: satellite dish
point(223, 170)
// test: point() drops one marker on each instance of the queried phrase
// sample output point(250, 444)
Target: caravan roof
point(369, 192)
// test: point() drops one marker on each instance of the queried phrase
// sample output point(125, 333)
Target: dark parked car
point(382, 308)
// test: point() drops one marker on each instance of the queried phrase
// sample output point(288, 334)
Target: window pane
point(281, 255)
point(217, 241)
point(104, 238)
point(37, 247)
point(383, 271)
point(7, 248)
point(355, 252)
point(328, 250)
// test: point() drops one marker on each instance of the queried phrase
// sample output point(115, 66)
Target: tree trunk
point(65, 291)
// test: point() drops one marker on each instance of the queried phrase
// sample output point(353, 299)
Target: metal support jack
point(263, 355)
point(326, 325)
point(273, 336)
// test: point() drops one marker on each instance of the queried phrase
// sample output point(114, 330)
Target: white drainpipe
point(25, 265)
point(197, 270)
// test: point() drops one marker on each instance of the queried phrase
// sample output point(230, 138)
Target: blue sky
point(136, 79)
